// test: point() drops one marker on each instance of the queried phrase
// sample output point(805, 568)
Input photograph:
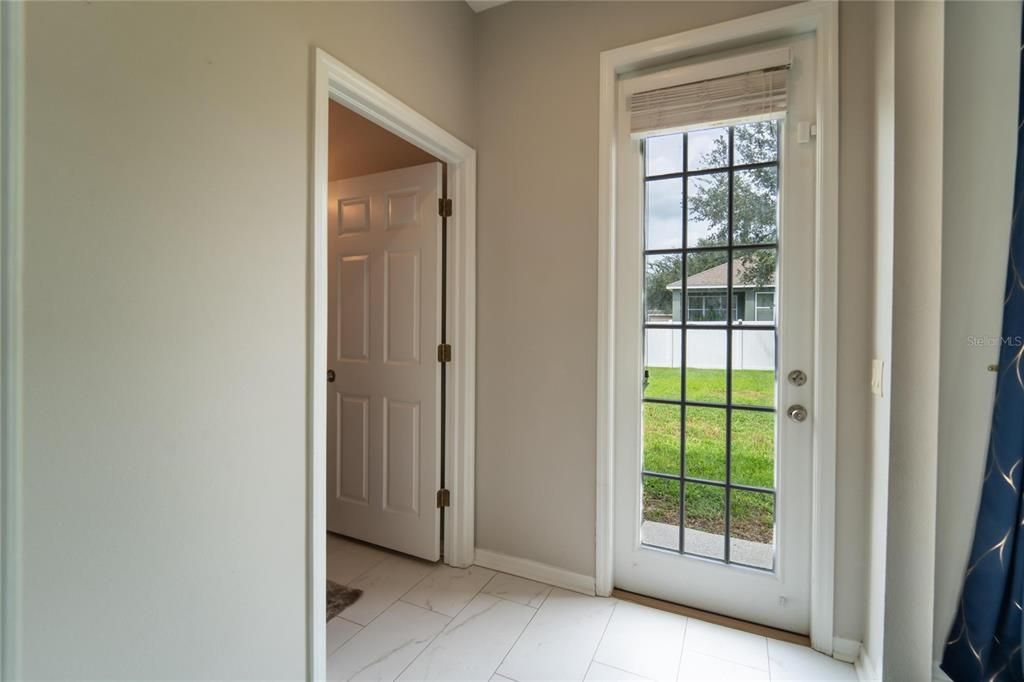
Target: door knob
point(797, 413)
point(797, 377)
point(330, 376)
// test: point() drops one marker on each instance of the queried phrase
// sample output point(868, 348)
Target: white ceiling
point(481, 5)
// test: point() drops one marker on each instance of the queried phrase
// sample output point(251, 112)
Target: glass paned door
point(711, 245)
point(714, 310)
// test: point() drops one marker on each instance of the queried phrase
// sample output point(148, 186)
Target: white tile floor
point(421, 621)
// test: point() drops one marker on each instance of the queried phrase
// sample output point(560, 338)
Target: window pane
point(706, 275)
point(661, 438)
point(754, 275)
point(663, 293)
point(753, 448)
point(751, 529)
point(663, 352)
point(705, 443)
point(705, 365)
point(705, 520)
point(660, 523)
point(707, 210)
point(705, 308)
point(753, 367)
point(756, 142)
point(707, 149)
point(764, 306)
point(664, 207)
point(755, 207)
point(664, 154)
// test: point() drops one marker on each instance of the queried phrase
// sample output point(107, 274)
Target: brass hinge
point(444, 498)
point(444, 208)
point(444, 352)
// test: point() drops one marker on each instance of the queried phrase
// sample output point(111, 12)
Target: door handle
point(330, 376)
point(797, 413)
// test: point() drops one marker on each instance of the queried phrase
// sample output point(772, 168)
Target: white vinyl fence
point(751, 349)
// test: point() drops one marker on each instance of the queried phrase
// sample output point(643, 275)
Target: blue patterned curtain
point(984, 642)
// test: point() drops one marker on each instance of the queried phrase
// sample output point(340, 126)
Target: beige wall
point(167, 179)
point(856, 222)
point(916, 311)
point(165, 315)
point(357, 146)
point(979, 148)
point(538, 106)
point(877, 502)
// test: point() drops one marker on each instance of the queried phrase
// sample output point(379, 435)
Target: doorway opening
point(385, 319)
point(716, 342)
point(392, 346)
point(720, 475)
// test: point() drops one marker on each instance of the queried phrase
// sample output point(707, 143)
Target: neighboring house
point(706, 292)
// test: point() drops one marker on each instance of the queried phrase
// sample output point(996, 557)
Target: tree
point(662, 271)
point(755, 204)
point(754, 215)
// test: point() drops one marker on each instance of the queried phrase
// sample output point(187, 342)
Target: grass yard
point(753, 451)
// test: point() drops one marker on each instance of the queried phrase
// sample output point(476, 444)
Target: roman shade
point(750, 96)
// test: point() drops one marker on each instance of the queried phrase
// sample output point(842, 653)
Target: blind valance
point(754, 95)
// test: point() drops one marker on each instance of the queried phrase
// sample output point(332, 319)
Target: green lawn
point(753, 451)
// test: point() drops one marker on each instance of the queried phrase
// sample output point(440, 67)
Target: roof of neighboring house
point(717, 277)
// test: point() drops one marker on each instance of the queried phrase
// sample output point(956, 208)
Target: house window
point(764, 306)
point(706, 308)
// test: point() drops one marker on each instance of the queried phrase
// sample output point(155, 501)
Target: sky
point(664, 154)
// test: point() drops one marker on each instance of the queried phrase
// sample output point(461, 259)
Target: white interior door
point(714, 311)
point(383, 454)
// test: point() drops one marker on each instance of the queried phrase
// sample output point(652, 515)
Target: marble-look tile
point(795, 662)
point(599, 672)
point(447, 590)
point(498, 678)
point(514, 588)
point(696, 667)
point(347, 560)
point(383, 584)
point(643, 641)
point(560, 641)
point(472, 645)
point(384, 648)
point(339, 631)
point(721, 642)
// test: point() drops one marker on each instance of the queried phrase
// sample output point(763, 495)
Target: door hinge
point(444, 208)
point(444, 352)
point(444, 498)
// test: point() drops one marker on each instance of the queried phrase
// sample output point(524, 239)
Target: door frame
point(334, 80)
point(822, 18)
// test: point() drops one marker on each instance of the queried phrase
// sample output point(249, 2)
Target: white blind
point(747, 96)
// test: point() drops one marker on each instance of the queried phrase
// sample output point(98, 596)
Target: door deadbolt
point(797, 413)
point(330, 376)
point(797, 377)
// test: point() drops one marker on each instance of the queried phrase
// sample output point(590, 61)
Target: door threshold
point(714, 618)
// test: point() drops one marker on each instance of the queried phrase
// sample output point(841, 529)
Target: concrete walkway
point(711, 545)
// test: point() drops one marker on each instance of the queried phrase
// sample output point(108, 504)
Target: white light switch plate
point(877, 368)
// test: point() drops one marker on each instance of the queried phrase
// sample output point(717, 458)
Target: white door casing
point(383, 408)
point(779, 598)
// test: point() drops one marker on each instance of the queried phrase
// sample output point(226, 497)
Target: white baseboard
point(845, 650)
point(534, 570)
point(865, 667)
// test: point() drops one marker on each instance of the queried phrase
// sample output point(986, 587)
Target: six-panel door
point(383, 459)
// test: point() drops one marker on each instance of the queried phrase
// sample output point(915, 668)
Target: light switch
point(877, 368)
